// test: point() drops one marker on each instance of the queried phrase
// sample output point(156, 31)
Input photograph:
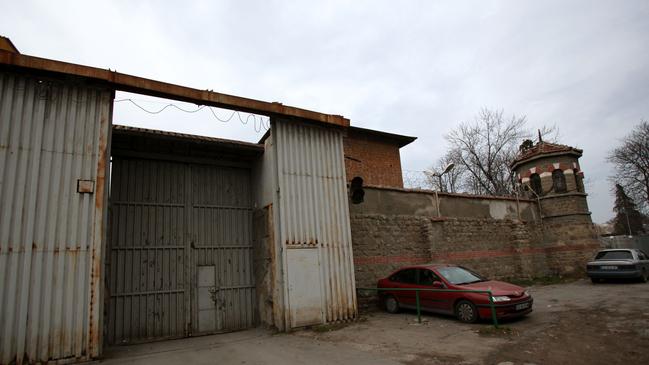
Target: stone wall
point(639, 242)
point(564, 204)
point(385, 238)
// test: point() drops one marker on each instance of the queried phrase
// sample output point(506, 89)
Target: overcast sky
point(409, 67)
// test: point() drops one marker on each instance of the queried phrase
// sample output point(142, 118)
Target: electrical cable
point(259, 122)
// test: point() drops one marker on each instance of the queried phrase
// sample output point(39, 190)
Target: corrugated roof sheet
point(192, 137)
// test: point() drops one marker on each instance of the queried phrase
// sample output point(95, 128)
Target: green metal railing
point(417, 290)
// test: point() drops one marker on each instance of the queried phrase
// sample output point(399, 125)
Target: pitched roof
point(543, 148)
point(399, 139)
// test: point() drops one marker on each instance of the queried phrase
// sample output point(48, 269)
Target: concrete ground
point(574, 323)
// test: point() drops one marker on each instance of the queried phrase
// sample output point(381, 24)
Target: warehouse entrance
point(180, 240)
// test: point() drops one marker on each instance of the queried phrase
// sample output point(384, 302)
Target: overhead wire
point(259, 122)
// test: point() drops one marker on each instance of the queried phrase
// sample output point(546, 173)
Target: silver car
point(619, 264)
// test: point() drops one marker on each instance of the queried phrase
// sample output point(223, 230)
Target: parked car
point(619, 264)
point(510, 300)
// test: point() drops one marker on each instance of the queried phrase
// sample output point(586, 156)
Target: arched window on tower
point(535, 182)
point(559, 181)
point(579, 181)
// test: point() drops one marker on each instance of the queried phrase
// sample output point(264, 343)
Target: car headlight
point(526, 293)
point(502, 299)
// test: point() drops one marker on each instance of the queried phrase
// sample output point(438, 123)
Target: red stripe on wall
point(390, 260)
point(464, 255)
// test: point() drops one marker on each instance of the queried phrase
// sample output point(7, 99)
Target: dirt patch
point(597, 336)
point(432, 359)
point(572, 323)
point(332, 326)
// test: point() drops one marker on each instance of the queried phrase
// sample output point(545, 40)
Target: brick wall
point(375, 160)
point(562, 204)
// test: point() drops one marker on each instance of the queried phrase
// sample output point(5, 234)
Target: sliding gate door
point(180, 250)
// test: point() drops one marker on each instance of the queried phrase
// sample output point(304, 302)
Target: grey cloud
point(417, 67)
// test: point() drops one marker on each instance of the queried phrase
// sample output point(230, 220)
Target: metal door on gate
point(180, 250)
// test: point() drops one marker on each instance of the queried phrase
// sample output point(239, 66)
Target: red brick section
point(465, 255)
point(376, 161)
point(549, 168)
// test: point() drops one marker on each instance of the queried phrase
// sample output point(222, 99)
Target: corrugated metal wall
point(221, 237)
point(314, 216)
point(51, 135)
point(180, 251)
point(149, 296)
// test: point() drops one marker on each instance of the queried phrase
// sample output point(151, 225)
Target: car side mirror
point(438, 285)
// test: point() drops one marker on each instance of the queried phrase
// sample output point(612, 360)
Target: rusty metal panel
point(52, 134)
point(314, 214)
point(147, 255)
point(172, 224)
point(221, 236)
point(144, 86)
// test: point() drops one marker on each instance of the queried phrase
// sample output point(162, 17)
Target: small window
point(559, 181)
point(535, 182)
point(579, 183)
point(356, 190)
point(407, 276)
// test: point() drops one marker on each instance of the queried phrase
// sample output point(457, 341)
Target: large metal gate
point(180, 250)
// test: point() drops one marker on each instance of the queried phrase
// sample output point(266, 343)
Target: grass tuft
point(493, 331)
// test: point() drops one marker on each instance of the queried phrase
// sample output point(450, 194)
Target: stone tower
point(550, 174)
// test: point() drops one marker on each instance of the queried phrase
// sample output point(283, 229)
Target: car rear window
point(614, 255)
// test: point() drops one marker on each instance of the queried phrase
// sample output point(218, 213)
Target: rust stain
point(94, 332)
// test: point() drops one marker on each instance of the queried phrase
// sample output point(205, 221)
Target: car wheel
point(391, 304)
point(466, 311)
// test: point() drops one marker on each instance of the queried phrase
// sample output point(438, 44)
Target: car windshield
point(614, 255)
point(458, 275)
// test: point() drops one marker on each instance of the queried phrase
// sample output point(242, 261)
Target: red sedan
point(510, 300)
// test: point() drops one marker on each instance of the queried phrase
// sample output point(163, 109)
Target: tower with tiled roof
point(547, 169)
point(550, 174)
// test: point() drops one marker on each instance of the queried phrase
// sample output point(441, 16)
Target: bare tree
point(631, 161)
point(450, 181)
point(485, 148)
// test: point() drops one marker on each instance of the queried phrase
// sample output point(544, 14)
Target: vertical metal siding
point(314, 212)
point(51, 134)
point(149, 296)
point(169, 219)
point(222, 237)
